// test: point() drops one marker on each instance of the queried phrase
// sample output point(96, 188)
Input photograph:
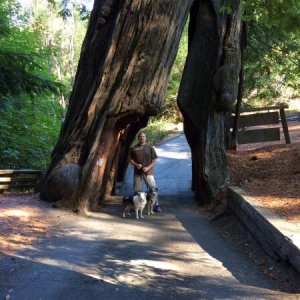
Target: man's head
point(142, 138)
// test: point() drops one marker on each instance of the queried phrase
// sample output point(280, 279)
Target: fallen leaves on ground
point(272, 175)
point(22, 221)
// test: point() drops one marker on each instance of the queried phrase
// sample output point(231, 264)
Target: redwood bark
point(232, 143)
point(121, 80)
point(208, 90)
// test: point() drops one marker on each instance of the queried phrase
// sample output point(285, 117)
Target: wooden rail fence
point(262, 116)
point(12, 180)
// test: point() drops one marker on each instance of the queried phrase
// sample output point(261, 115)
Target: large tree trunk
point(208, 90)
point(121, 80)
point(232, 142)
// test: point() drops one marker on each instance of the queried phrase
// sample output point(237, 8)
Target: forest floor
point(271, 174)
point(23, 220)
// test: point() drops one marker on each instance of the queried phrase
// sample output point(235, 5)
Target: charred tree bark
point(208, 90)
point(121, 80)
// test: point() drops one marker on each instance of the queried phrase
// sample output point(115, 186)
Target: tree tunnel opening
point(173, 170)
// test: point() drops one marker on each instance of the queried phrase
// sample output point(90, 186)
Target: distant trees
point(23, 58)
point(272, 65)
point(37, 65)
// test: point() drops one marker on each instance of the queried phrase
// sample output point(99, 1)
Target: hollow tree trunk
point(208, 89)
point(121, 80)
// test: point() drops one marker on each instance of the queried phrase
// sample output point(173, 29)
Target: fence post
point(284, 125)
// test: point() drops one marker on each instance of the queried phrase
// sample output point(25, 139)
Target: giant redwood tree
point(208, 89)
point(121, 80)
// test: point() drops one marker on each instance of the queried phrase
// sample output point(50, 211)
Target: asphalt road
point(175, 254)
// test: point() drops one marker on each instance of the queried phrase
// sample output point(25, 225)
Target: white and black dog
point(138, 202)
point(151, 200)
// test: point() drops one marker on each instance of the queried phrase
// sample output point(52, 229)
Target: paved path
point(172, 171)
point(172, 255)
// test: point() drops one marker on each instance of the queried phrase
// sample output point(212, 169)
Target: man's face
point(142, 138)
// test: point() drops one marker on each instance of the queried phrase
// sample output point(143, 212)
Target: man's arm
point(146, 169)
point(138, 166)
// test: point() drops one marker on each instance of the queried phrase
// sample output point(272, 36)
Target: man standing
point(143, 158)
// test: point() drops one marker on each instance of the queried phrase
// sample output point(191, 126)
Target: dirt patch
point(23, 220)
point(271, 174)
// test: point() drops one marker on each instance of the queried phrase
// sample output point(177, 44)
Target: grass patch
point(157, 130)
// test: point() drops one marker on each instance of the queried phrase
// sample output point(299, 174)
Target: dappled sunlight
point(148, 254)
point(287, 207)
point(19, 227)
point(155, 264)
point(173, 154)
point(294, 128)
point(281, 218)
point(14, 213)
point(137, 272)
point(14, 240)
point(133, 262)
point(84, 236)
point(21, 223)
point(133, 273)
point(130, 224)
point(271, 175)
point(142, 236)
